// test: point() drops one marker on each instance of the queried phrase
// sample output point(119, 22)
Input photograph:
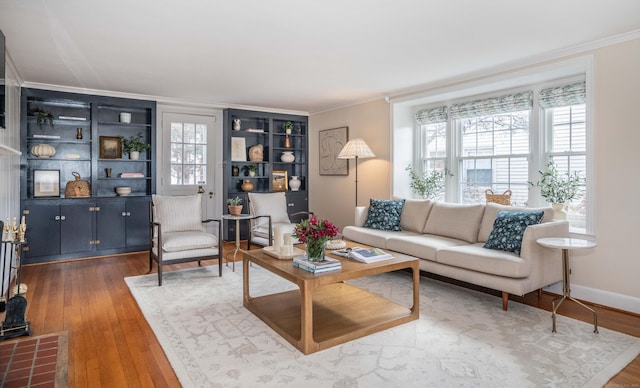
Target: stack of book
point(328, 264)
point(364, 255)
point(132, 175)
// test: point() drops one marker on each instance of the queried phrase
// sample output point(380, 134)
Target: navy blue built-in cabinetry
point(285, 143)
point(84, 131)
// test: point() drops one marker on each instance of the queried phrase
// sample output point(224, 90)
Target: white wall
point(333, 197)
point(607, 274)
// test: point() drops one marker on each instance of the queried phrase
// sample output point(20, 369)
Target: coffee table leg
point(308, 345)
point(415, 309)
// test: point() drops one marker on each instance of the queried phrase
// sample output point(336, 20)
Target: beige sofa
point(449, 240)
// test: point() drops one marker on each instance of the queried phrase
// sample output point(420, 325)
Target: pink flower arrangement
point(315, 233)
point(315, 229)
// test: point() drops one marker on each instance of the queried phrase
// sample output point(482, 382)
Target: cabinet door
point(43, 230)
point(76, 228)
point(111, 224)
point(138, 222)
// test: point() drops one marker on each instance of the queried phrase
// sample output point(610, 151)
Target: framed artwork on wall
point(46, 183)
point(110, 147)
point(331, 142)
point(279, 181)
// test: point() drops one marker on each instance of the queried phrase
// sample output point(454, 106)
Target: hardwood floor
point(111, 344)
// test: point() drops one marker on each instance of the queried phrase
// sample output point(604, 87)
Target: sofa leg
point(505, 300)
point(539, 293)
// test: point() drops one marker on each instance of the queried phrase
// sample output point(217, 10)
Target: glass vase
point(315, 250)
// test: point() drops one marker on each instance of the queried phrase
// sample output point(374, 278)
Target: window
point(188, 153)
point(433, 139)
point(566, 140)
point(499, 143)
point(493, 147)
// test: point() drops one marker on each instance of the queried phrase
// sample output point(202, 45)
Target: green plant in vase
point(42, 116)
point(252, 169)
point(288, 127)
point(559, 188)
point(428, 185)
point(235, 206)
point(133, 145)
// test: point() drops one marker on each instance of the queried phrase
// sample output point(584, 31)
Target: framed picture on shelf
point(238, 149)
point(330, 143)
point(110, 147)
point(46, 183)
point(279, 181)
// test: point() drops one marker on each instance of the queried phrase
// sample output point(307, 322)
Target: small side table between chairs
point(567, 244)
point(237, 219)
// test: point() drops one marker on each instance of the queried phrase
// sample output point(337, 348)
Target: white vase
point(558, 212)
point(287, 157)
point(294, 183)
point(134, 155)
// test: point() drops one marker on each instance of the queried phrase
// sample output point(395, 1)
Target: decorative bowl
point(123, 191)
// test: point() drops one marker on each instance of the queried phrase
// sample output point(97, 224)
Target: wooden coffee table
point(325, 311)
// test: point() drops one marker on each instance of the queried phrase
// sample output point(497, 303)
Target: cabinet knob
point(62, 218)
point(57, 218)
point(128, 214)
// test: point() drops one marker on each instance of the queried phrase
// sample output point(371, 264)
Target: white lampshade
point(356, 148)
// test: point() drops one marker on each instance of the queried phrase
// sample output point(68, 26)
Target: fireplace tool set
point(14, 306)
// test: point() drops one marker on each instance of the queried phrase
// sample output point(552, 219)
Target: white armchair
point(270, 210)
point(178, 234)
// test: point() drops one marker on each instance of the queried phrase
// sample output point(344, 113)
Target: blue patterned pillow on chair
point(508, 230)
point(384, 214)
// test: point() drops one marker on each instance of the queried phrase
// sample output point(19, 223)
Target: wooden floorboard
point(111, 344)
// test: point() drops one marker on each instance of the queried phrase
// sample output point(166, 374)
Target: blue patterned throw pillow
point(508, 229)
point(384, 214)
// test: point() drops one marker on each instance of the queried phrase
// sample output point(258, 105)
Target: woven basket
point(503, 199)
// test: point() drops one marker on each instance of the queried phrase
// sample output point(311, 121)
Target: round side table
point(567, 244)
point(237, 247)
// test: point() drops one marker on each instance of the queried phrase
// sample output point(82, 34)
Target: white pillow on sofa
point(414, 214)
point(178, 213)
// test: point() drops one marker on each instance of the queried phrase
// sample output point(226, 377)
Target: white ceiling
point(299, 55)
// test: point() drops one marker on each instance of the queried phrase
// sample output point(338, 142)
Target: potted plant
point(42, 116)
point(288, 127)
point(133, 145)
point(428, 185)
point(235, 206)
point(251, 169)
point(558, 189)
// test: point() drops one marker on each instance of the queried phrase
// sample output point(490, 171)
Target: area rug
point(40, 361)
point(463, 338)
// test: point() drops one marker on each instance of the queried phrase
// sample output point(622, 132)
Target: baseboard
point(601, 297)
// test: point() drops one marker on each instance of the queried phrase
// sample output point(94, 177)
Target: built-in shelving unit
point(251, 128)
point(61, 227)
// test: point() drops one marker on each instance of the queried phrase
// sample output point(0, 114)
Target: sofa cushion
point(422, 246)
point(476, 258)
point(384, 214)
point(373, 237)
point(459, 221)
point(492, 209)
point(414, 214)
point(178, 213)
point(185, 241)
point(508, 229)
